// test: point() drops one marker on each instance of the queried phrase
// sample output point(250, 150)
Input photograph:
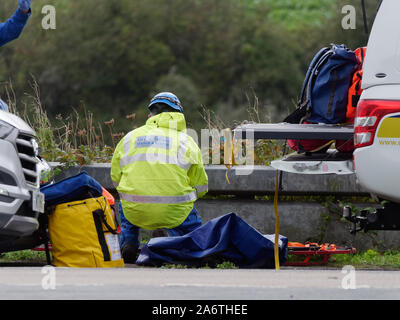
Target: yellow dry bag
point(83, 235)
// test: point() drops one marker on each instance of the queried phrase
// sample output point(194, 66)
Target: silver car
point(20, 199)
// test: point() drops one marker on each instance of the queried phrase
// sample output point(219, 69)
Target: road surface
point(197, 284)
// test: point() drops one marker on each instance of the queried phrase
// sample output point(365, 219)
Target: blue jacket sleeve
point(12, 28)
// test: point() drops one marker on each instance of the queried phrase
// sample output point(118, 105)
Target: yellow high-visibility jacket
point(159, 172)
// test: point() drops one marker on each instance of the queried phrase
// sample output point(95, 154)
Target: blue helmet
point(169, 99)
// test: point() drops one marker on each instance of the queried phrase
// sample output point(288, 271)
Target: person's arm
point(12, 28)
point(116, 171)
point(197, 175)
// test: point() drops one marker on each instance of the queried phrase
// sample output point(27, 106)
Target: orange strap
point(323, 247)
point(108, 196)
point(296, 244)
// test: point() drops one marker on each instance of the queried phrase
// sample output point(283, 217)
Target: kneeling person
point(159, 174)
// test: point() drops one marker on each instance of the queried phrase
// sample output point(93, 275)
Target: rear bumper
point(378, 171)
point(331, 162)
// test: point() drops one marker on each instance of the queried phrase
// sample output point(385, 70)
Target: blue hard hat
point(169, 99)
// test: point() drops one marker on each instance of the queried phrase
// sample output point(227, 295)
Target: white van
point(376, 131)
point(377, 126)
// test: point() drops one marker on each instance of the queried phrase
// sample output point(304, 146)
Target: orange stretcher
point(310, 249)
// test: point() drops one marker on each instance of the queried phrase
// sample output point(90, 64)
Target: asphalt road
point(196, 284)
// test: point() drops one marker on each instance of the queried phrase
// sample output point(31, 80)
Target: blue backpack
point(75, 188)
point(324, 94)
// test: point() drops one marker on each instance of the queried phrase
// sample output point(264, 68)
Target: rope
point(276, 245)
point(324, 146)
point(229, 166)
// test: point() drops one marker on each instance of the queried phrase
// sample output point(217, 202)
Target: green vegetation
point(108, 57)
point(86, 84)
point(226, 265)
point(78, 140)
point(27, 256)
point(370, 259)
point(291, 14)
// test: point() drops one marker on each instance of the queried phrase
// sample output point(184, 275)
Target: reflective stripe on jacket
point(159, 173)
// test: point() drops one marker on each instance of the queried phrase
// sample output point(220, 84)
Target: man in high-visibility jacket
point(158, 172)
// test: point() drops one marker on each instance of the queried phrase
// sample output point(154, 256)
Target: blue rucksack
point(75, 188)
point(324, 94)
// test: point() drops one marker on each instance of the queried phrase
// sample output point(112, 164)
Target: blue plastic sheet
point(79, 187)
point(227, 238)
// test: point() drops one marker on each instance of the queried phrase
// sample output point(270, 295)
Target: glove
point(24, 5)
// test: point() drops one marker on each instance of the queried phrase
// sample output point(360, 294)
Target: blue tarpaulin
point(78, 187)
point(227, 238)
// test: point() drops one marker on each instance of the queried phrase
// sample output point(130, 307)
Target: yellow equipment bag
point(83, 235)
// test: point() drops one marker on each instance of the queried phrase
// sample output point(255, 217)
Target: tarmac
point(137, 283)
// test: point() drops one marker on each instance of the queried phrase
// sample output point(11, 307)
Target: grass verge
point(370, 259)
point(24, 256)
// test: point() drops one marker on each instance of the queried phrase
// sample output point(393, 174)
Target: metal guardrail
point(242, 182)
